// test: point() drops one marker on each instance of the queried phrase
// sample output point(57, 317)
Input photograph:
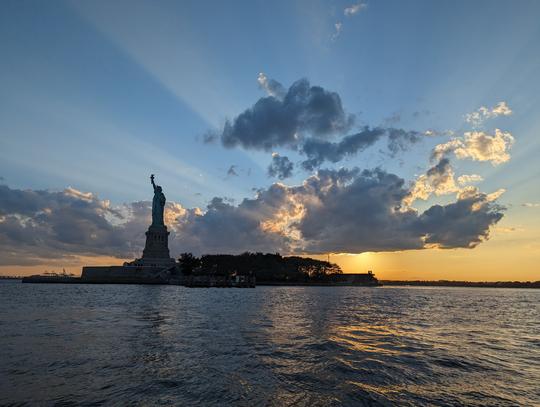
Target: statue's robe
point(158, 205)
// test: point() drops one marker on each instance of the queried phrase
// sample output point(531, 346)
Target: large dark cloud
point(318, 151)
point(339, 211)
point(332, 211)
point(357, 212)
point(464, 223)
point(274, 121)
point(280, 167)
point(306, 118)
point(36, 225)
point(363, 212)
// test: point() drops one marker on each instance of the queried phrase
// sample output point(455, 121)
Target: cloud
point(438, 180)
point(44, 224)
point(339, 211)
point(468, 179)
point(494, 195)
point(354, 9)
point(353, 211)
point(271, 86)
point(434, 133)
point(231, 172)
point(332, 211)
point(501, 109)
point(273, 122)
point(38, 226)
point(400, 139)
point(347, 12)
point(531, 205)
point(441, 177)
point(478, 146)
point(280, 167)
point(477, 118)
point(210, 136)
point(363, 212)
point(464, 223)
point(318, 151)
point(226, 228)
point(338, 27)
point(306, 119)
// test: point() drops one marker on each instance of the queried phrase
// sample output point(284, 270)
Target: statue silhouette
point(158, 204)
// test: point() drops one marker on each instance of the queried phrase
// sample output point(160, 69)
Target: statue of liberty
point(158, 204)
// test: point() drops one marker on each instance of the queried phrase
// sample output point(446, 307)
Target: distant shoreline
point(394, 283)
point(445, 283)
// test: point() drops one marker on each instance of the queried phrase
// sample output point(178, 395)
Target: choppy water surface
point(85, 344)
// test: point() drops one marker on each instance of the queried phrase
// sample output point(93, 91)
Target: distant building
point(365, 279)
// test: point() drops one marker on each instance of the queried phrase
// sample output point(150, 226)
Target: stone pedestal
point(157, 243)
point(156, 250)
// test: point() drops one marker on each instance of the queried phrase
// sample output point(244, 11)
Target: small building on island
point(364, 279)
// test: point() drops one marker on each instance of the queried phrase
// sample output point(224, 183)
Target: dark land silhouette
point(273, 269)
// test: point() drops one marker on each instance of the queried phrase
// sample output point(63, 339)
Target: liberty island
point(156, 266)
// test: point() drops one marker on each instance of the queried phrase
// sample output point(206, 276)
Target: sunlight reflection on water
point(269, 345)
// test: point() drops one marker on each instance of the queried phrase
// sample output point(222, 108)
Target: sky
point(398, 137)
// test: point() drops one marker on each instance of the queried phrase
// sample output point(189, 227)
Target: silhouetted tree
point(267, 267)
point(189, 262)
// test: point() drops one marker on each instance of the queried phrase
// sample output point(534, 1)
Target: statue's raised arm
point(152, 181)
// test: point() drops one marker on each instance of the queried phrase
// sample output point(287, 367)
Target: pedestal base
point(154, 263)
point(157, 243)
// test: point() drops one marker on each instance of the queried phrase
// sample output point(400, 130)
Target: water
point(302, 346)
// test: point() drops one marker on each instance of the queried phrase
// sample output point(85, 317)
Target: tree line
point(267, 267)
